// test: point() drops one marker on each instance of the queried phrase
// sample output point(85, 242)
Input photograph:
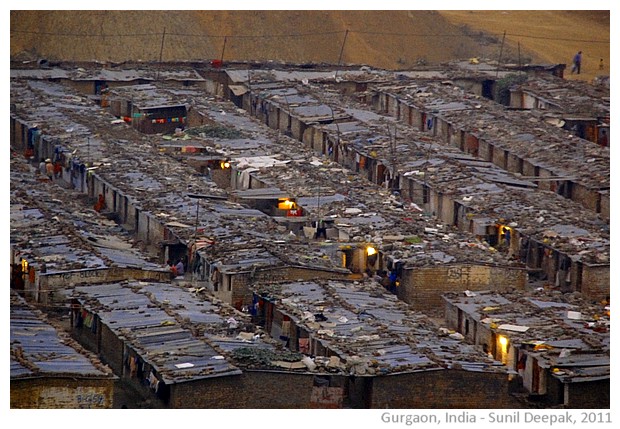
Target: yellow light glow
point(503, 341)
point(224, 164)
point(24, 266)
point(287, 204)
point(371, 251)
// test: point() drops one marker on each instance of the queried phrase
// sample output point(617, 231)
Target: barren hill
point(384, 39)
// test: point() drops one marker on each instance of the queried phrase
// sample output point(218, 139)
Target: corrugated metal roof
point(547, 323)
point(153, 333)
point(363, 323)
point(38, 350)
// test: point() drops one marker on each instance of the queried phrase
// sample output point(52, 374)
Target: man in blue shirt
point(577, 63)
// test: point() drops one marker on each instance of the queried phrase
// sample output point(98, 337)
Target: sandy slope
point(548, 34)
point(386, 39)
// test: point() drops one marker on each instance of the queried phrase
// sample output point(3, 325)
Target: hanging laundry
point(304, 345)
point(286, 328)
point(133, 366)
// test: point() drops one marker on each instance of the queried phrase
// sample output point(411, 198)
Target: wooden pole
point(223, 49)
point(501, 50)
point(346, 33)
point(161, 51)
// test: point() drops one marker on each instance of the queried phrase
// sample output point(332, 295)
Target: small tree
point(503, 85)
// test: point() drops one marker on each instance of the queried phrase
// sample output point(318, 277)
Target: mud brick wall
point(595, 283)
point(252, 389)
point(456, 136)
point(471, 144)
point(593, 394)
point(545, 185)
point(87, 338)
point(111, 349)
point(442, 129)
point(605, 204)
point(515, 164)
point(486, 150)
point(65, 393)
point(422, 287)
point(499, 156)
point(587, 197)
point(443, 389)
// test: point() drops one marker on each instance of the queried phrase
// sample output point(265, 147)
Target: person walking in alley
point(49, 168)
point(100, 204)
point(576, 63)
point(321, 230)
point(180, 268)
point(42, 167)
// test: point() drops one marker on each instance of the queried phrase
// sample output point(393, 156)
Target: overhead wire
point(308, 34)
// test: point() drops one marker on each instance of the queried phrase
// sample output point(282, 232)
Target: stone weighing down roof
point(552, 322)
point(50, 224)
point(221, 326)
point(523, 133)
point(488, 190)
point(39, 349)
point(146, 96)
point(131, 163)
point(152, 330)
point(259, 76)
point(255, 77)
point(548, 218)
point(147, 176)
point(370, 330)
point(366, 211)
point(570, 97)
point(298, 178)
point(169, 325)
point(107, 74)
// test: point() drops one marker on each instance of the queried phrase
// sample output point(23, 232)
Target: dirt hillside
point(385, 39)
point(554, 36)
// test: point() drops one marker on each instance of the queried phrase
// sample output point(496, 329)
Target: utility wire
point(267, 36)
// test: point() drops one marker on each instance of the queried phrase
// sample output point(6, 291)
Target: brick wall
point(587, 197)
point(529, 169)
point(87, 338)
point(443, 129)
point(111, 349)
point(97, 276)
point(252, 389)
point(515, 164)
point(605, 202)
point(455, 138)
point(500, 157)
point(485, 150)
point(58, 392)
point(422, 287)
point(406, 113)
point(417, 118)
point(243, 282)
point(595, 284)
point(471, 144)
point(312, 134)
point(443, 389)
point(594, 394)
point(545, 185)
point(447, 209)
